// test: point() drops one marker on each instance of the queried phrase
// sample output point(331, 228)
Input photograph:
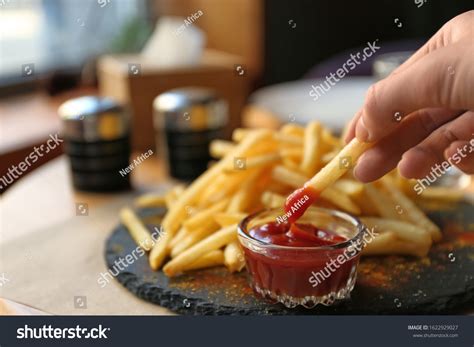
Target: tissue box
point(135, 82)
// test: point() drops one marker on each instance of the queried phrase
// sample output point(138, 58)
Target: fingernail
point(362, 133)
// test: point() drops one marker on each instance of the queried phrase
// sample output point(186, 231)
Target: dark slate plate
point(439, 284)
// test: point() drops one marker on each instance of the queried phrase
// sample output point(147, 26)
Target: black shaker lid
point(190, 109)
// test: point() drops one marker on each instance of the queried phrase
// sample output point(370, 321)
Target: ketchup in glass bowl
point(311, 261)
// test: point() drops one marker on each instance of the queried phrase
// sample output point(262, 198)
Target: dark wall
point(326, 27)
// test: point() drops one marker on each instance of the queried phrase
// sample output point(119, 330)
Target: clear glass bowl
point(304, 276)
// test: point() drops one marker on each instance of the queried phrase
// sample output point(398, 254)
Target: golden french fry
point(291, 164)
point(170, 198)
point(234, 257)
point(180, 235)
point(272, 200)
point(240, 133)
point(220, 148)
point(136, 228)
point(311, 149)
point(215, 241)
point(335, 197)
point(194, 236)
point(381, 244)
point(293, 153)
point(288, 139)
point(288, 177)
point(223, 187)
point(341, 200)
point(388, 243)
point(443, 194)
point(222, 182)
point(403, 230)
point(205, 215)
point(405, 185)
point(179, 189)
point(350, 187)
point(226, 219)
point(254, 162)
point(365, 204)
point(210, 259)
point(150, 200)
point(172, 195)
point(292, 129)
point(383, 203)
point(410, 211)
point(243, 198)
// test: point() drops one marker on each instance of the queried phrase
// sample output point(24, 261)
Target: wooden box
point(134, 82)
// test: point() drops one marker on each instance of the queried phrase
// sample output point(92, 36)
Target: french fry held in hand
point(329, 174)
point(295, 180)
point(338, 166)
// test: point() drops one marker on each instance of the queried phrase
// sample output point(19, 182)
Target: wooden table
point(50, 257)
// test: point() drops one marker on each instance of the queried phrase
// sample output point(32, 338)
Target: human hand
point(423, 113)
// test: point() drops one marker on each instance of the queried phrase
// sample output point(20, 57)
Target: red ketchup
point(288, 271)
point(298, 202)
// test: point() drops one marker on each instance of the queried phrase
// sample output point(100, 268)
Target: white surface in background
point(333, 109)
point(172, 45)
point(23, 206)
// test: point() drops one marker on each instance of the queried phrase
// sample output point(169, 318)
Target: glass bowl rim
point(361, 229)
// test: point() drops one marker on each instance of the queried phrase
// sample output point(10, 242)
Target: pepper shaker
point(186, 120)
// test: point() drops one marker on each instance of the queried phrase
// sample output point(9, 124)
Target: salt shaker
point(96, 135)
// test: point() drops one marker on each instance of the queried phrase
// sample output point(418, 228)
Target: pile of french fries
point(257, 170)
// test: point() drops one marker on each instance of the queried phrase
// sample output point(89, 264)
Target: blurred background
point(260, 58)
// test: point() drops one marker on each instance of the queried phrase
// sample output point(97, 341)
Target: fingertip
point(364, 170)
point(403, 169)
point(360, 174)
